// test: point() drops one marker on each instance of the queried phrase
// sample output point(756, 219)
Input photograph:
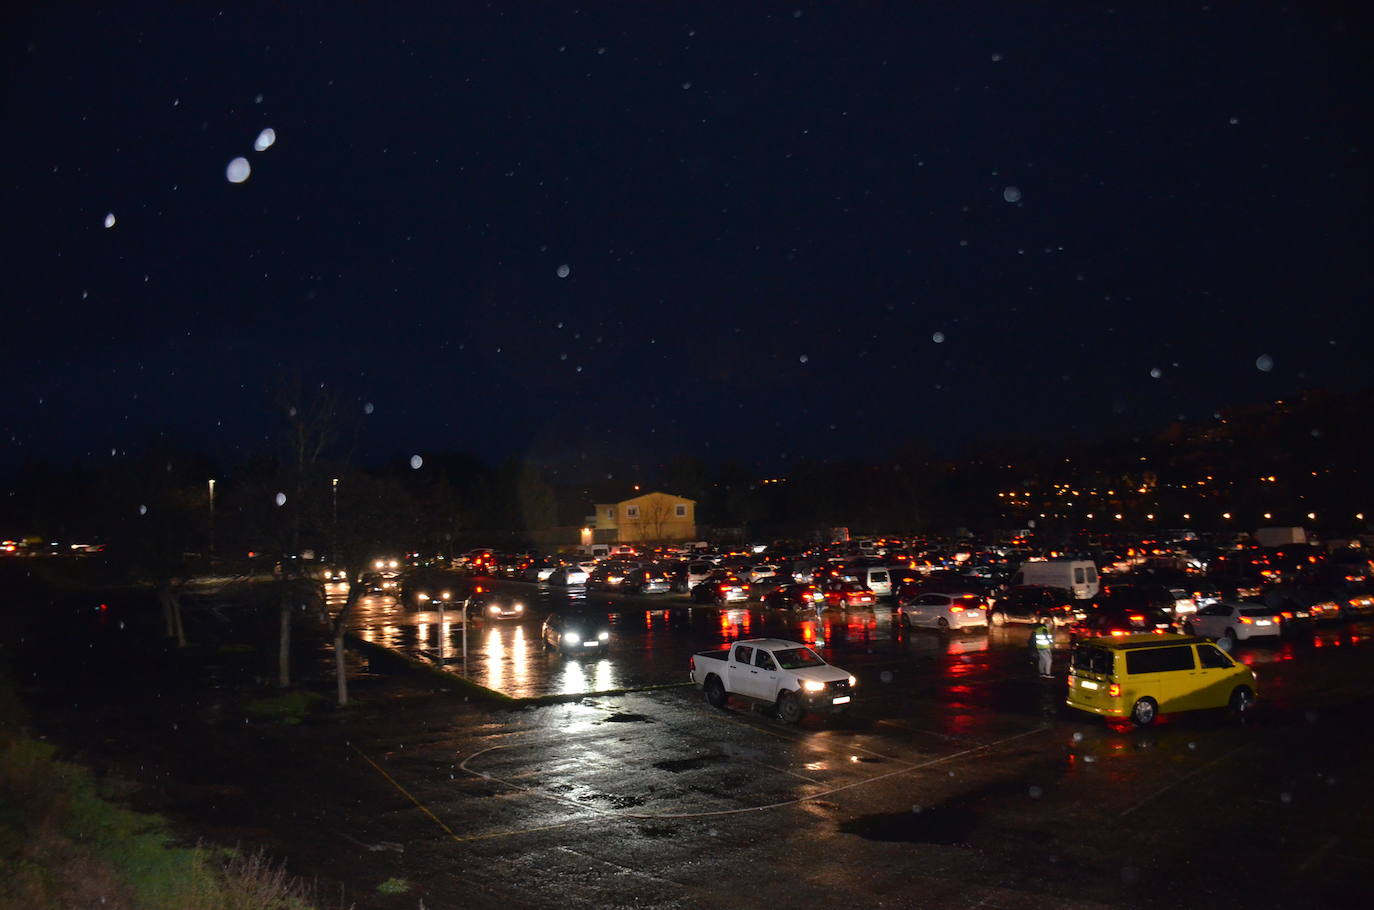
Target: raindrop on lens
point(996, 58)
point(109, 220)
point(804, 358)
point(1156, 372)
point(265, 140)
point(415, 462)
point(367, 408)
point(1035, 792)
point(885, 676)
point(938, 337)
point(238, 170)
point(281, 499)
point(1078, 737)
point(1264, 363)
point(564, 271)
point(143, 510)
point(1012, 194)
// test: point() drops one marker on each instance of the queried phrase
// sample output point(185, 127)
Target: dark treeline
point(154, 505)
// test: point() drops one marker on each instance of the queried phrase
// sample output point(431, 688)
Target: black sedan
point(792, 596)
point(576, 633)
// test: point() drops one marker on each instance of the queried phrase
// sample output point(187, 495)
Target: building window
point(610, 513)
point(680, 511)
point(632, 511)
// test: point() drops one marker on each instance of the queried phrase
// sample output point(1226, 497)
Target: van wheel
point(715, 693)
point(1144, 712)
point(1242, 700)
point(789, 708)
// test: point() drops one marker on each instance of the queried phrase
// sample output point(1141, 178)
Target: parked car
point(846, 594)
point(1116, 620)
point(720, 587)
point(792, 596)
point(576, 633)
point(645, 581)
point(1035, 603)
point(566, 576)
point(944, 612)
point(1235, 622)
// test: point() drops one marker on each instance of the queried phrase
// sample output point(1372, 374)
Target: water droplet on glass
point(1286, 798)
point(938, 337)
point(1035, 792)
point(143, 510)
point(109, 220)
point(257, 99)
point(996, 58)
point(415, 462)
point(1264, 363)
point(885, 676)
point(804, 358)
point(367, 408)
point(281, 499)
point(564, 271)
point(1156, 372)
point(686, 85)
point(1090, 758)
point(1192, 746)
point(1011, 194)
point(562, 356)
point(238, 170)
point(1078, 737)
point(916, 810)
point(1234, 121)
point(265, 140)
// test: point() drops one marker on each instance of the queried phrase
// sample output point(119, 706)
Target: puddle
point(678, 765)
point(620, 718)
point(938, 825)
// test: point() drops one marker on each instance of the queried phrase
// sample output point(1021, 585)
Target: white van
point(878, 578)
point(1076, 575)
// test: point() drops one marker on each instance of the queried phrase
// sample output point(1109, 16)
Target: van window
point(878, 576)
point(1159, 660)
point(1091, 573)
point(1212, 658)
point(1093, 660)
point(1078, 576)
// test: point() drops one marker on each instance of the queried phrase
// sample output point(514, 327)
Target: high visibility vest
point(1043, 640)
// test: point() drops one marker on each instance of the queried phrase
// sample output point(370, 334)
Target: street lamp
point(212, 516)
point(334, 545)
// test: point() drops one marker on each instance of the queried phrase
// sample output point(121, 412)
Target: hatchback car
point(645, 581)
point(1235, 621)
point(1035, 603)
point(792, 596)
point(1142, 676)
point(488, 605)
point(846, 594)
point(944, 611)
point(720, 587)
point(576, 633)
point(568, 575)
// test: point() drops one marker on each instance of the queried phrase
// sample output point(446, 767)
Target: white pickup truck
point(785, 674)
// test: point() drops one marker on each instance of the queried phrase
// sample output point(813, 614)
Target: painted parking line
point(1191, 774)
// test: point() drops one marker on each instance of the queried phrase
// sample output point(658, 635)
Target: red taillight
point(1114, 691)
point(104, 607)
point(956, 609)
point(1136, 618)
point(1245, 620)
point(692, 662)
point(1286, 614)
point(724, 588)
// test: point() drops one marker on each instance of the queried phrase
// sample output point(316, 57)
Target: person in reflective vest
point(1042, 645)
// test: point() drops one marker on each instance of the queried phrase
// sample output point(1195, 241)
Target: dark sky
point(768, 213)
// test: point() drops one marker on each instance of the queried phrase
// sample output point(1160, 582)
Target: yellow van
point(1142, 676)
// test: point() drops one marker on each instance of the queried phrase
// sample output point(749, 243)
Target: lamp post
point(212, 516)
point(334, 544)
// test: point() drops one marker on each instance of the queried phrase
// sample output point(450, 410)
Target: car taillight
point(692, 662)
point(1245, 620)
point(1287, 614)
point(1136, 618)
point(1114, 691)
point(956, 609)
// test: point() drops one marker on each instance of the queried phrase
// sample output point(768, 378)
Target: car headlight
point(422, 596)
point(853, 681)
point(571, 638)
point(604, 636)
point(493, 609)
point(519, 608)
point(810, 685)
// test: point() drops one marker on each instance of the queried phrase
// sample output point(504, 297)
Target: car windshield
point(797, 658)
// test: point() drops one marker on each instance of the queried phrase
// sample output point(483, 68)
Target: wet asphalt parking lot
point(958, 778)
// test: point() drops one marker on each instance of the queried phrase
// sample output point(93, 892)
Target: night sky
point(789, 231)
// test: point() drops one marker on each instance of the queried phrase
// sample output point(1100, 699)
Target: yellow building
point(651, 518)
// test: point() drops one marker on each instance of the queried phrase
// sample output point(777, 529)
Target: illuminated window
point(610, 513)
point(632, 511)
point(680, 511)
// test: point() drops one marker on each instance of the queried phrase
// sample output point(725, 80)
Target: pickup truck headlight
point(422, 596)
point(572, 638)
point(853, 682)
point(811, 685)
point(604, 636)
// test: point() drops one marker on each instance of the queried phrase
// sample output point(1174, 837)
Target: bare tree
point(654, 516)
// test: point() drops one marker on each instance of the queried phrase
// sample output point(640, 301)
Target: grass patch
point(394, 886)
point(289, 708)
point(63, 844)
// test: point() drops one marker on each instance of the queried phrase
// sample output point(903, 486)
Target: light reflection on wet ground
point(653, 638)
